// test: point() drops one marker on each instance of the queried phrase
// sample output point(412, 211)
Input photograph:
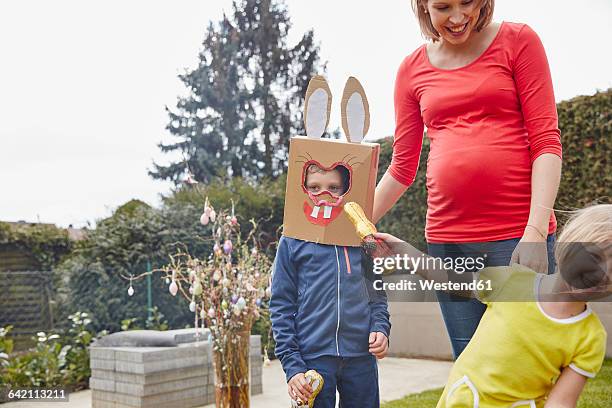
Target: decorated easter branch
point(227, 291)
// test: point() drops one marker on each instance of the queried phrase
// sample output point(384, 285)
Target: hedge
point(586, 134)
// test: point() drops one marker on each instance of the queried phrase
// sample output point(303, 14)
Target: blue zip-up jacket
point(321, 304)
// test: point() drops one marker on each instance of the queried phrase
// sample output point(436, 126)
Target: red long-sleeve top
point(487, 122)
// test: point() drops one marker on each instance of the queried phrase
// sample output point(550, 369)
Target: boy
point(325, 316)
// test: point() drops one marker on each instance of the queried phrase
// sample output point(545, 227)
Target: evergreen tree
point(245, 98)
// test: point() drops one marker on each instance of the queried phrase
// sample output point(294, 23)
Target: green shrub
point(123, 245)
point(94, 276)
point(57, 359)
point(263, 202)
point(155, 321)
point(77, 340)
point(6, 346)
point(586, 134)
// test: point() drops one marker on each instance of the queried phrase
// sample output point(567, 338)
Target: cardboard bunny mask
point(317, 216)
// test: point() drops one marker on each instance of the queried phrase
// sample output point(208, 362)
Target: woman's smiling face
point(454, 20)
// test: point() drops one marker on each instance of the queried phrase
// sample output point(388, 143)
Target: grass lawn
point(597, 393)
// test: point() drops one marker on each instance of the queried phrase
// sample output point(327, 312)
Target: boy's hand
point(379, 345)
point(299, 388)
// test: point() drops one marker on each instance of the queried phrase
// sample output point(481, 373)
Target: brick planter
point(180, 376)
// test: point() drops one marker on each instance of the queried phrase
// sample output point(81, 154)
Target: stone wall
point(166, 377)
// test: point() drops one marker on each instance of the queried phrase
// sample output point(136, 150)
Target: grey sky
point(83, 85)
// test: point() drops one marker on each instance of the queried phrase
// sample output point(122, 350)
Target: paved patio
point(398, 377)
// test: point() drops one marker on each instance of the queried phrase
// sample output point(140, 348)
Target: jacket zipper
point(338, 301)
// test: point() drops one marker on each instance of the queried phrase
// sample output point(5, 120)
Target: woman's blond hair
point(427, 28)
point(589, 225)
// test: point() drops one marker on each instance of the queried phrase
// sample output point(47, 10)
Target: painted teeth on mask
point(327, 211)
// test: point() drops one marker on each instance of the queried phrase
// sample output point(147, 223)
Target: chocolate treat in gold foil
point(374, 247)
point(316, 382)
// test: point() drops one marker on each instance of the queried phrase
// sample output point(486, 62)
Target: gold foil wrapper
point(363, 226)
point(316, 382)
point(372, 246)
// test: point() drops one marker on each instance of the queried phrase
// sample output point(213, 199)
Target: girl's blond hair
point(427, 28)
point(589, 225)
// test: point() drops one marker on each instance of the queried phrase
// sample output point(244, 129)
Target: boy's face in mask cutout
point(325, 189)
point(319, 181)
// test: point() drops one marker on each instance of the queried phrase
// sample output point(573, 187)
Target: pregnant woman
point(484, 92)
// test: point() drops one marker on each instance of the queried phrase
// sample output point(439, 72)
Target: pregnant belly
point(467, 180)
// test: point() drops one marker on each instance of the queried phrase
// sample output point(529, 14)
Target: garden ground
point(402, 382)
point(398, 377)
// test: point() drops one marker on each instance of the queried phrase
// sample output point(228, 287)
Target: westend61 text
point(406, 285)
point(412, 264)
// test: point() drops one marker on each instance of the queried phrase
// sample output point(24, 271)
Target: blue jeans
point(461, 316)
point(356, 379)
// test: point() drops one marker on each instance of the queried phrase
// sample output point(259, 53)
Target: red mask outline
point(337, 206)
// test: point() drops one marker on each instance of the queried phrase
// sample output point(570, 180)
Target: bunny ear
point(355, 111)
point(317, 107)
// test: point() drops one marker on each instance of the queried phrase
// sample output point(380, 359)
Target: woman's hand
point(388, 238)
point(299, 388)
point(531, 251)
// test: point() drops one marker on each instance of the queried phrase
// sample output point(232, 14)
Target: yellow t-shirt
point(518, 352)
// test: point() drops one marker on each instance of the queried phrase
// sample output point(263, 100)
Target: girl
point(538, 341)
